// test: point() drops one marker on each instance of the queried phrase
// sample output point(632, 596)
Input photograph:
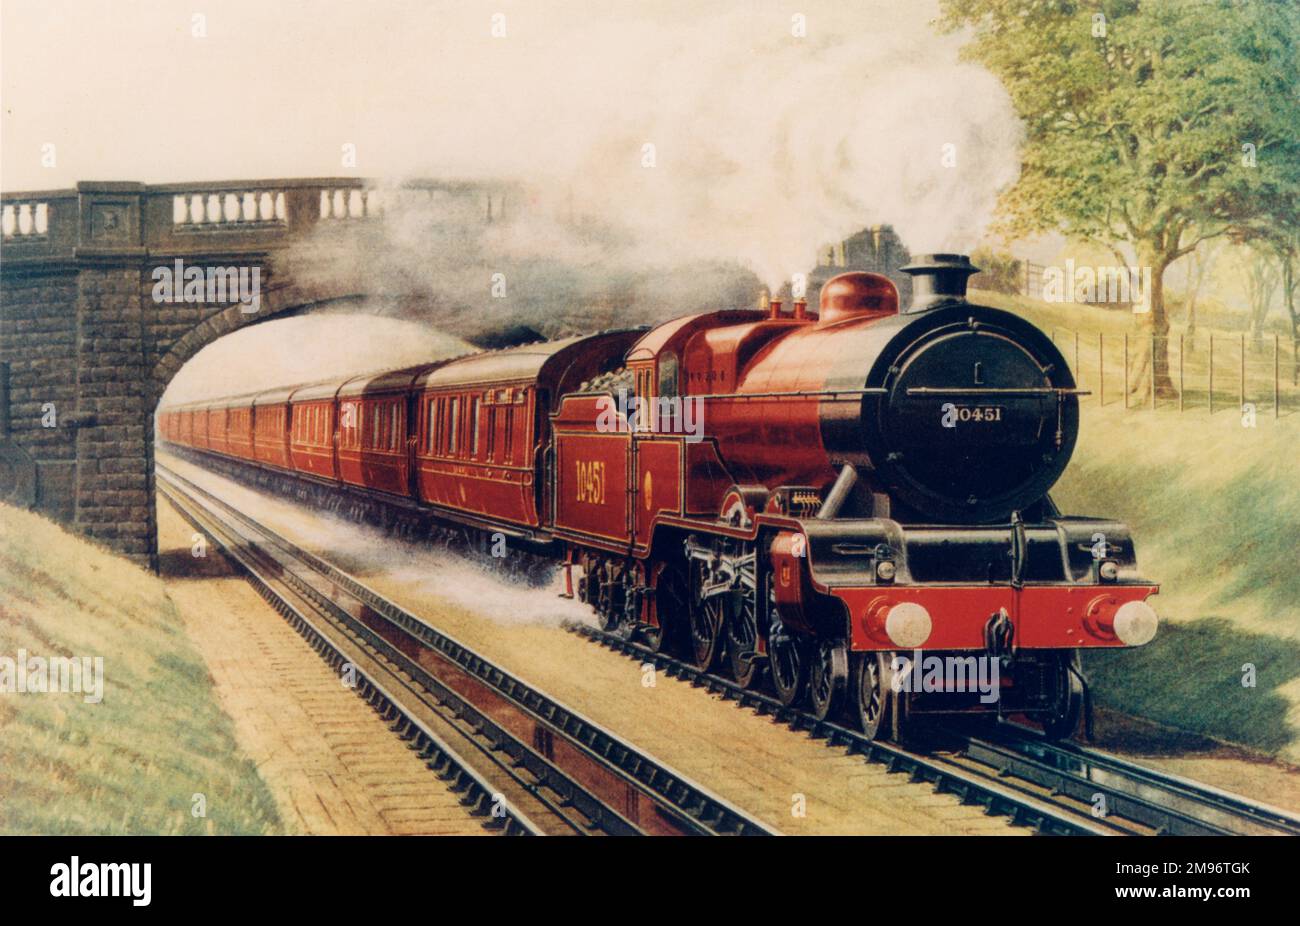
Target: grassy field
point(1215, 512)
point(133, 762)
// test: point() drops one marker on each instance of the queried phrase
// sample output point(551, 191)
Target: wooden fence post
point(1275, 378)
point(1101, 368)
point(1241, 392)
point(1211, 372)
point(1181, 390)
point(1126, 369)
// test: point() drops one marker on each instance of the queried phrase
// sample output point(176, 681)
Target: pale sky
point(773, 127)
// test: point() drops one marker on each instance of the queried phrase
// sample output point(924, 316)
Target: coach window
point(491, 428)
point(453, 424)
point(474, 416)
point(668, 375)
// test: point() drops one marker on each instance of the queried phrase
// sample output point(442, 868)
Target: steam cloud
point(766, 147)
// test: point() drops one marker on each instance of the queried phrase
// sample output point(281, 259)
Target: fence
point(1210, 371)
point(1032, 284)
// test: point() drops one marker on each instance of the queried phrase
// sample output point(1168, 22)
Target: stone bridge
point(86, 350)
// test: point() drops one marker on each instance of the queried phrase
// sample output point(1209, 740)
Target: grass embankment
point(1215, 512)
point(133, 762)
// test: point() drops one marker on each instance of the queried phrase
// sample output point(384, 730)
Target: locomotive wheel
point(1063, 718)
point(871, 694)
point(742, 641)
point(607, 614)
point(707, 619)
point(672, 605)
point(827, 678)
point(787, 659)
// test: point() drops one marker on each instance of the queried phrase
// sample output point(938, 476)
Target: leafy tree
point(1150, 125)
point(1200, 262)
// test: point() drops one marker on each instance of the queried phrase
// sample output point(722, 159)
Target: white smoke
point(674, 160)
point(766, 145)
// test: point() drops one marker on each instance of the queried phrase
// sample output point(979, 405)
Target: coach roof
point(531, 362)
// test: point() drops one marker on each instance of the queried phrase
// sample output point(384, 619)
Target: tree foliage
point(1149, 123)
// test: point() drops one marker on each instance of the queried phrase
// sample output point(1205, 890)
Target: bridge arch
point(284, 304)
point(86, 350)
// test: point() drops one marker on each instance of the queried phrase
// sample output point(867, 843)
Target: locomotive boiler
point(808, 500)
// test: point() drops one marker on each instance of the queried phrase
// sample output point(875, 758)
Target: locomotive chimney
point(936, 279)
point(801, 308)
point(775, 306)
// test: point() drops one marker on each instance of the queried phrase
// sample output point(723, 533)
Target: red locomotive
point(792, 496)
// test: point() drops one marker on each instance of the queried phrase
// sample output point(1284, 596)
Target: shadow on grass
point(1190, 677)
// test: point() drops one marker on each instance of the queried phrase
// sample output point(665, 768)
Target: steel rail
point(567, 800)
point(674, 797)
point(478, 794)
point(998, 799)
point(1159, 802)
point(1165, 802)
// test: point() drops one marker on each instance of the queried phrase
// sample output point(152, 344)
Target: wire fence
point(1206, 372)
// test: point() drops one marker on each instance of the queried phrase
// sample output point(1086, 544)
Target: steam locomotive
point(807, 500)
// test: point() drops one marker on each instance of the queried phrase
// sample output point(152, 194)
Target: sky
point(770, 128)
point(745, 131)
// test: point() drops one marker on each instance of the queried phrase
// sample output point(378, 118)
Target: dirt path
point(330, 762)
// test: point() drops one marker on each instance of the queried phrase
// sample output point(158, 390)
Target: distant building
point(877, 249)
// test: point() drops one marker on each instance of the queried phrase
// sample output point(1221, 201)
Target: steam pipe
point(839, 493)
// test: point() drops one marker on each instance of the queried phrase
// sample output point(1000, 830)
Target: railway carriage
point(372, 446)
point(311, 430)
point(239, 428)
point(214, 414)
point(802, 498)
point(485, 422)
point(271, 427)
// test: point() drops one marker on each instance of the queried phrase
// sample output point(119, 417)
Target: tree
point(1200, 262)
point(1277, 231)
point(1152, 124)
point(1262, 278)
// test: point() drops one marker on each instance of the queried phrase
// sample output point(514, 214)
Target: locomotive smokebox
point(936, 279)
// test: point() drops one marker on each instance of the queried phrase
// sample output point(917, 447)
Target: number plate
point(965, 414)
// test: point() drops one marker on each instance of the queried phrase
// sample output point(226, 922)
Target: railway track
point(524, 761)
point(1161, 802)
point(1055, 788)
